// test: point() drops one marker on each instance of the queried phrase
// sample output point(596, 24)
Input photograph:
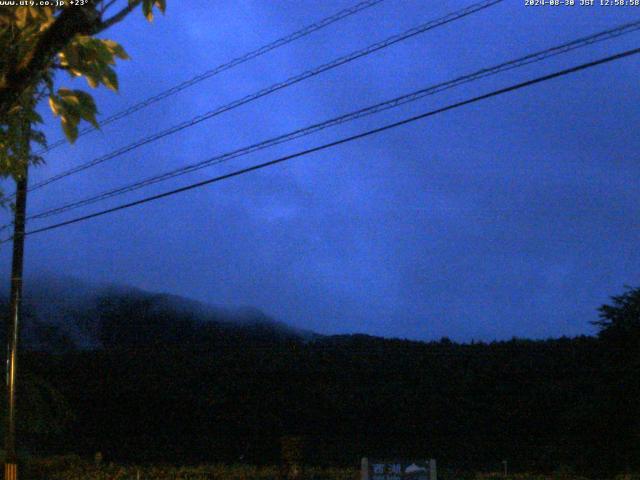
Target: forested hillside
point(181, 390)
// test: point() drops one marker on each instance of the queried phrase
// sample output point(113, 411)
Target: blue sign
point(399, 470)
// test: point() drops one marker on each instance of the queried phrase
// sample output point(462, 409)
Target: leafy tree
point(622, 318)
point(619, 325)
point(36, 42)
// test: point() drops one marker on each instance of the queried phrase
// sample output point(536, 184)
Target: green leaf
point(70, 130)
point(70, 56)
point(33, 116)
point(37, 159)
point(6, 17)
point(103, 52)
point(86, 100)
point(21, 16)
point(116, 49)
point(87, 107)
point(91, 80)
point(147, 9)
point(48, 81)
point(72, 106)
point(39, 138)
point(35, 12)
point(53, 104)
point(15, 109)
point(110, 79)
point(69, 97)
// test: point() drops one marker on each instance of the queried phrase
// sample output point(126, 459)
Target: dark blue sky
point(517, 216)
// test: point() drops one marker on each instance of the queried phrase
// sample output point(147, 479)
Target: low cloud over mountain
point(62, 313)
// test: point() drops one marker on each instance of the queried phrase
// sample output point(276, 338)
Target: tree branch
point(24, 75)
point(106, 6)
point(118, 17)
point(71, 22)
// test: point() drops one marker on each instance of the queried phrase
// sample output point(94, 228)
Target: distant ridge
point(63, 312)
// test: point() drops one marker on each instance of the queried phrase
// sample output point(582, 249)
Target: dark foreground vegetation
point(72, 467)
point(75, 468)
point(163, 387)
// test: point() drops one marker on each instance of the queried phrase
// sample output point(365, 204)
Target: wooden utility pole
point(13, 323)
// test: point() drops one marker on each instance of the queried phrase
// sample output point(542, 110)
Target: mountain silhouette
point(62, 312)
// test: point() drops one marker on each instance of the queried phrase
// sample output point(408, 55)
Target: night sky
point(516, 216)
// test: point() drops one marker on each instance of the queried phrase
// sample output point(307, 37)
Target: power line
point(325, 22)
point(379, 107)
point(476, 7)
point(341, 141)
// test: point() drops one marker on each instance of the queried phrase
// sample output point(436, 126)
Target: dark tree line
point(167, 388)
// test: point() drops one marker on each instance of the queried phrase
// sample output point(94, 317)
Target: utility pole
point(13, 323)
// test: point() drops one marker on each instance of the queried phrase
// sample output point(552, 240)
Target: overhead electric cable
point(325, 22)
point(476, 7)
point(341, 141)
point(379, 107)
